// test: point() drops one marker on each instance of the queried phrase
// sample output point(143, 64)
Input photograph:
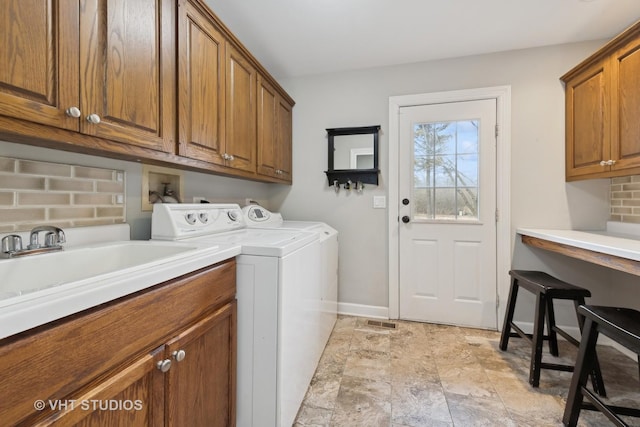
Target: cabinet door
point(201, 59)
point(39, 61)
point(201, 384)
point(267, 159)
point(625, 126)
point(134, 397)
point(127, 75)
point(284, 129)
point(240, 132)
point(588, 136)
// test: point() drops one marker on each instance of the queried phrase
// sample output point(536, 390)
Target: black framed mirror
point(353, 155)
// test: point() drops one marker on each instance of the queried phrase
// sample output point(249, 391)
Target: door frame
point(502, 95)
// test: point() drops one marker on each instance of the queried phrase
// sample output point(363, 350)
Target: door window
point(445, 171)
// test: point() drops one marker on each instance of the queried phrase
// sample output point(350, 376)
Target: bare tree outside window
point(446, 170)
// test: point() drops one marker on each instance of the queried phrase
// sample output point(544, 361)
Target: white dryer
point(277, 281)
point(258, 217)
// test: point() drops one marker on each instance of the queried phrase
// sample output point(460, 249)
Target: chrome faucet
point(12, 244)
point(52, 239)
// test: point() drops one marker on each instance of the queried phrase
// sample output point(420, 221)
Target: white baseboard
point(575, 332)
point(361, 310)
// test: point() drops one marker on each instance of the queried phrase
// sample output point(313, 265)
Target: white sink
point(23, 275)
point(102, 266)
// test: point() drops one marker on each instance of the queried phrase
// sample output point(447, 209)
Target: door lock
point(405, 202)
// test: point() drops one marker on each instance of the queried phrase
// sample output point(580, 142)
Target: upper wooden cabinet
point(602, 106)
point(39, 61)
point(217, 94)
point(127, 71)
point(201, 90)
point(162, 81)
point(240, 138)
point(274, 133)
point(104, 68)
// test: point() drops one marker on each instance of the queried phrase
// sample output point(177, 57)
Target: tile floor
point(425, 375)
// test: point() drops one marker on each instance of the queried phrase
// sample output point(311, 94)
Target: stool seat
point(621, 325)
point(546, 288)
point(541, 282)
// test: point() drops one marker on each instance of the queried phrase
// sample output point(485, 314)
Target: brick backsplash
point(625, 199)
point(37, 193)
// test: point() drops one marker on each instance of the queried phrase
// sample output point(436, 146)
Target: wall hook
point(336, 186)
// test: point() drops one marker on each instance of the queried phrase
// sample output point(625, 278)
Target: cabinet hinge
point(497, 130)
point(497, 215)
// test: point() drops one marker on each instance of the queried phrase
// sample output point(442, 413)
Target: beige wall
point(539, 195)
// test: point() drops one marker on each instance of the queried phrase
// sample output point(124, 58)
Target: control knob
point(190, 217)
point(233, 215)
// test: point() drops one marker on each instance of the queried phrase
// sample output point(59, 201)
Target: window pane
point(445, 203)
point(467, 203)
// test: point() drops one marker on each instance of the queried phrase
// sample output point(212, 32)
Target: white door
point(447, 224)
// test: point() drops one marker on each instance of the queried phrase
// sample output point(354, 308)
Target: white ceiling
point(299, 37)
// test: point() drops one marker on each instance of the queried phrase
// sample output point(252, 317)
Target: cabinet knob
point(607, 162)
point(73, 112)
point(164, 365)
point(93, 118)
point(231, 158)
point(179, 355)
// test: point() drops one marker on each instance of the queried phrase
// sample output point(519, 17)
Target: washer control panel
point(173, 221)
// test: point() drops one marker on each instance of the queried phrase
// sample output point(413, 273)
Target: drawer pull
point(164, 365)
point(179, 355)
point(93, 118)
point(73, 112)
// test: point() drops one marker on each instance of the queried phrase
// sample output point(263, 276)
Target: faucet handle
point(54, 236)
point(11, 243)
point(50, 239)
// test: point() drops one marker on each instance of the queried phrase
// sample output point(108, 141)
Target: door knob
point(406, 219)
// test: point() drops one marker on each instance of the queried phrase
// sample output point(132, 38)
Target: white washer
point(258, 217)
point(277, 280)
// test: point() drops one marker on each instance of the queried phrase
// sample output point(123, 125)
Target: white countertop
point(617, 240)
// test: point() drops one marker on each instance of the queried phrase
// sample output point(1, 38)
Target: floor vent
point(379, 324)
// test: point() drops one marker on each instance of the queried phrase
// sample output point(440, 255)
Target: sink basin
point(33, 273)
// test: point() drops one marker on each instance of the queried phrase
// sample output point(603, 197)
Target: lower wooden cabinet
point(161, 357)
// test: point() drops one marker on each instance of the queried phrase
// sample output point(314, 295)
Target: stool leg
point(508, 317)
point(584, 363)
point(537, 340)
point(596, 373)
point(551, 323)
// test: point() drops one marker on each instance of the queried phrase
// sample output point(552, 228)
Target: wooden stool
point(546, 288)
point(623, 326)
